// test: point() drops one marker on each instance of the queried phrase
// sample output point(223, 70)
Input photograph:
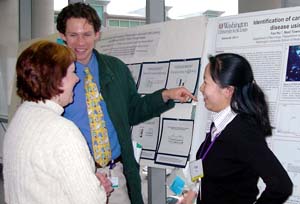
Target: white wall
point(8, 51)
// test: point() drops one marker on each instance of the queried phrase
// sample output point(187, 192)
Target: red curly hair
point(40, 70)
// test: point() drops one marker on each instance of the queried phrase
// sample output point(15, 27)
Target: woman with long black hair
point(235, 153)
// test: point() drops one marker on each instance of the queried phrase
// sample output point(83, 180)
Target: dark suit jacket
point(237, 159)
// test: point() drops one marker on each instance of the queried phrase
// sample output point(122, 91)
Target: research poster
point(162, 56)
point(270, 40)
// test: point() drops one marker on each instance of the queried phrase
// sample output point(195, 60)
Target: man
point(121, 106)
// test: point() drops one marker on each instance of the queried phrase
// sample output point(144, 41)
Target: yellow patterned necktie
point(100, 140)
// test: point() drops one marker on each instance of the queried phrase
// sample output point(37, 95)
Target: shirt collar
point(90, 64)
point(223, 118)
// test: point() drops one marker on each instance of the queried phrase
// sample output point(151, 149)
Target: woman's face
point(215, 97)
point(68, 83)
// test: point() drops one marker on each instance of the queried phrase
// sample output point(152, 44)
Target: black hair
point(78, 10)
point(228, 69)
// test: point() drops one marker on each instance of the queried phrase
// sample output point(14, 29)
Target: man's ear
point(98, 35)
point(62, 36)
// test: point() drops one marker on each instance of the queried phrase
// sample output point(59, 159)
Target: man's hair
point(78, 10)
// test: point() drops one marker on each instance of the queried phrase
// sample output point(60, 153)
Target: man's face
point(80, 37)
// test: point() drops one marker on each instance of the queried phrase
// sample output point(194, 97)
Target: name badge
point(196, 170)
point(114, 182)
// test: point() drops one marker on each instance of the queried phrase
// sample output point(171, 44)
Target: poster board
point(162, 55)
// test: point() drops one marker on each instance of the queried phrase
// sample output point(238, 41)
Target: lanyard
point(209, 147)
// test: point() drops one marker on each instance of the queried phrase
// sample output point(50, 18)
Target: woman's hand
point(188, 197)
point(105, 182)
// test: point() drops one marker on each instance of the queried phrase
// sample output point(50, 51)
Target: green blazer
point(126, 108)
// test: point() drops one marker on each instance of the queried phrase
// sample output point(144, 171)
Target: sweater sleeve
point(76, 170)
point(255, 151)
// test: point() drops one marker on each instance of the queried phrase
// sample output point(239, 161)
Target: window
point(100, 10)
point(132, 12)
point(114, 23)
point(124, 23)
point(134, 23)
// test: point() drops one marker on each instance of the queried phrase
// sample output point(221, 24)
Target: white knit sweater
point(46, 159)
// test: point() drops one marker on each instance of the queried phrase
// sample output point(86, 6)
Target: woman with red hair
point(46, 159)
